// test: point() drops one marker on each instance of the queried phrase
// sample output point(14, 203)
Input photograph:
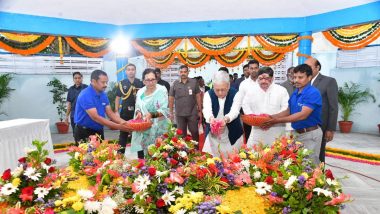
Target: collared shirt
point(245, 91)
point(185, 97)
point(72, 96)
point(312, 80)
point(311, 98)
point(164, 83)
point(89, 99)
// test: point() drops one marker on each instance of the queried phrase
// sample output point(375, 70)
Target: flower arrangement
point(255, 119)
point(174, 178)
point(217, 127)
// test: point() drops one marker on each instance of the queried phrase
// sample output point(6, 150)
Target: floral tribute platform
point(175, 178)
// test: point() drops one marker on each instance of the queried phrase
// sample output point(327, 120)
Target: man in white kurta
point(215, 145)
point(265, 97)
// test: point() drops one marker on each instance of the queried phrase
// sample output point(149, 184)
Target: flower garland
point(216, 46)
point(234, 60)
point(24, 44)
point(353, 37)
point(156, 48)
point(363, 155)
point(278, 43)
point(193, 62)
point(267, 59)
point(161, 61)
point(89, 48)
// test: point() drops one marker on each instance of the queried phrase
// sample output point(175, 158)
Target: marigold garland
point(216, 46)
point(353, 37)
point(278, 43)
point(232, 61)
point(354, 153)
point(167, 46)
point(193, 62)
point(267, 59)
point(89, 51)
point(26, 46)
point(21, 38)
point(303, 55)
point(161, 62)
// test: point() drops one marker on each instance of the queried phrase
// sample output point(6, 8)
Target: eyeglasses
point(149, 80)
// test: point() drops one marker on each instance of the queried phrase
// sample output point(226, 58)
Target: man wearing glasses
point(185, 93)
point(265, 98)
point(127, 93)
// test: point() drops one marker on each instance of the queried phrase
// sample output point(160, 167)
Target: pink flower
point(275, 199)
point(309, 196)
point(238, 181)
point(216, 127)
point(134, 188)
point(310, 184)
point(338, 200)
point(175, 177)
point(246, 178)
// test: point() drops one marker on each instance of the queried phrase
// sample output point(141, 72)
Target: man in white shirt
point(265, 98)
point(218, 103)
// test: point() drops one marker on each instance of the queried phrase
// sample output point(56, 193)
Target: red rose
point(27, 190)
point(269, 180)
point(188, 138)
point(225, 180)
point(179, 132)
point(174, 139)
point(165, 155)
point(152, 171)
point(51, 169)
point(176, 156)
point(173, 162)
point(6, 175)
point(47, 161)
point(148, 200)
point(166, 135)
point(160, 203)
point(22, 160)
point(329, 174)
point(158, 144)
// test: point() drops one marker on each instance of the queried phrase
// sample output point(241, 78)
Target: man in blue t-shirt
point(304, 112)
point(91, 108)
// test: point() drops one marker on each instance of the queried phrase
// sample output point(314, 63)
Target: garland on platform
point(278, 43)
point(217, 45)
point(353, 37)
point(161, 61)
point(357, 154)
point(193, 62)
point(24, 44)
point(267, 59)
point(156, 48)
point(89, 47)
point(229, 60)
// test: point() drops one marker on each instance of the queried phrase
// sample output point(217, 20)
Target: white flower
point(287, 162)
point(192, 212)
point(76, 155)
point(181, 211)
point(41, 192)
point(18, 171)
point(290, 181)
point(305, 151)
point(262, 188)
point(168, 147)
point(108, 202)
point(142, 182)
point(168, 197)
point(331, 182)
point(139, 209)
point(156, 154)
point(179, 190)
point(323, 191)
point(257, 175)
point(30, 172)
point(106, 210)
point(246, 164)
point(8, 189)
point(159, 174)
point(28, 150)
point(85, 194)
point(183, 154)
point(44, 166)
point(92, 206)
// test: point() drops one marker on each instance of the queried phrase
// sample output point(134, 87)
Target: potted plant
point(349, 96)
point(5, 90)
point(59, 90)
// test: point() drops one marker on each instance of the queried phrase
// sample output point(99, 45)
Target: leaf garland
point(24, 44)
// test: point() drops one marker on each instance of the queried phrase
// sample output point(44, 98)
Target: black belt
point(86, 128)
point(304, 130)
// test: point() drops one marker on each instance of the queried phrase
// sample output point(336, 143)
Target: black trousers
point(322, 152)
point(72, 125)
point(83, 133)
point(125, 137)
point(247, 131)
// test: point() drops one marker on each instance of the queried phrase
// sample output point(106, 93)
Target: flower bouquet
point(217, 127)
point(255, 119)
point(139, 125)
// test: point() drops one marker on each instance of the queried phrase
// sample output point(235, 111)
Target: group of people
point(307, 100)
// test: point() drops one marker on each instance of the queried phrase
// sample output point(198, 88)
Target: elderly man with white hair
point(218, 105)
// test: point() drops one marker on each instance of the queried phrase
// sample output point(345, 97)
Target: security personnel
point(91, 108)
point(72, 96)
point(127, 92)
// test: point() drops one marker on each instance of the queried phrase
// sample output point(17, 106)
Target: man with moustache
point(186, 95)
point(91, 108)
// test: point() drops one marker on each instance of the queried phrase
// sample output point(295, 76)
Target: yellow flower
point(305, 175)
point(16, 182)
point(223, 209)
point(77, 206)
point(243, 155)
point(217, 159)
point(210, 161)
point(266, 150)
point(58, 203)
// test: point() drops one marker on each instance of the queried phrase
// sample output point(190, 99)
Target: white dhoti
point(266, 137)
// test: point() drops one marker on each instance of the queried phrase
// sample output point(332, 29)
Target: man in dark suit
point(246, 74)
point(328, 88)
point(288, 84)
